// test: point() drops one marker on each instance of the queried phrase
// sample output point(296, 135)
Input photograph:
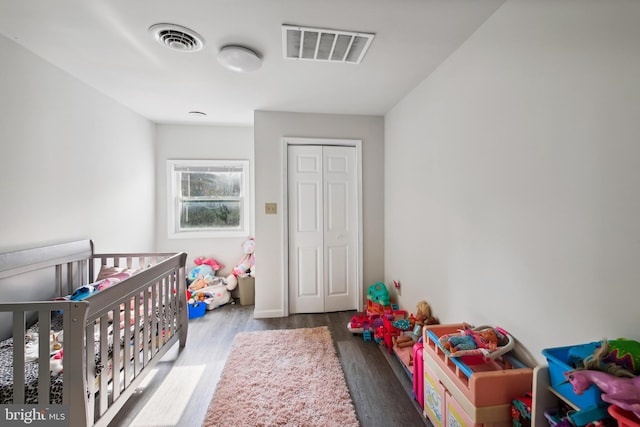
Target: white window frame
point(173, 206)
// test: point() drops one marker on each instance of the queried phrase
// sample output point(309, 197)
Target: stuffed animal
point(248, 260)
point(245, 266)
point(204, 267)
point(215, 296)
point(201, 282)
point(56, 364)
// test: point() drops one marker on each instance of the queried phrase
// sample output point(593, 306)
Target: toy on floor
point(378, 300)
point(365, 324)
point(204, 267)
point(213, 296)
point(246, 266)
point(622, 392)
point(204, 274)
point(422, 317)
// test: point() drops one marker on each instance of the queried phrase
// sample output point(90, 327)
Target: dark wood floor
point(380, 389)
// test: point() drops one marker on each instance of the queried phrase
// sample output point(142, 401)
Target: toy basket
point(624, 418)
point(196, 310)
point(558, 359)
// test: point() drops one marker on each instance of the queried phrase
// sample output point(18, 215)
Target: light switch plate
point(270, 208)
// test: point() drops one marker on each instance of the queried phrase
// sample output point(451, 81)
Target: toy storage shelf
point(546, 398)
point(477, 395)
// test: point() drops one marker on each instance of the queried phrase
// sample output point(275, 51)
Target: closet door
point(322, 194)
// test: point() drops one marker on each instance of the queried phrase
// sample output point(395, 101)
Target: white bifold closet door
point(323, 228)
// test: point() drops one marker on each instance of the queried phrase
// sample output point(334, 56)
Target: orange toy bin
point(484, 390)
point(625, 418)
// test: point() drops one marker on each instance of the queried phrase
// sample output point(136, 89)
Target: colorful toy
point(423, 314)
point(477, 345)
point(204, 267)
point(203, 282)
point(622, 392)
point(619, 357)
point(82, 292)
point(248, 260)
point(215, 296)
point(470, 340)
point(246, 266)
point(378, 300)
point(56, 364)
point(365, 324)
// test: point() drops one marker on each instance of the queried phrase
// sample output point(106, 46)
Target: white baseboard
point(267, 314)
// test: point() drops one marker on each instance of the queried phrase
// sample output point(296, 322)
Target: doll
point(469, 339)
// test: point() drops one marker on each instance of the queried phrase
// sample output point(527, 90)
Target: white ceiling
point(105, 43)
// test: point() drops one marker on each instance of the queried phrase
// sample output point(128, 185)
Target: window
point(208, 198)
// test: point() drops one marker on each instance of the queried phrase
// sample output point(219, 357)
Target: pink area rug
point(282, 378)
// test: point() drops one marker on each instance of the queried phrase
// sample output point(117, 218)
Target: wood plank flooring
point(380, 389)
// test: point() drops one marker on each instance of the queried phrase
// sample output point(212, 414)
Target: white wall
point(270, 127)
point(201, 142)
point(74, 164)
point(512, 176)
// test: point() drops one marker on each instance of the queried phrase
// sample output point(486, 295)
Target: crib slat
point(136, 336)
point(146, 331)
point(104, 362)
point(174, 302)
point(166, 309)
point(44, 380)
point(115, 381)
point(127, 344)
point(90, 360)
point(18, 356)
point(153, 335)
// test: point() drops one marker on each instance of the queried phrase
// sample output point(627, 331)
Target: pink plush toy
point(245, 266)
point(55, 363)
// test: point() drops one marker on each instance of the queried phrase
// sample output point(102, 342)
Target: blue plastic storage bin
point(558, 361)
point(196, 310)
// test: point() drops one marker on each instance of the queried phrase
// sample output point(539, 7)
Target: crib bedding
point(135, 312)
point(31, 366)
point(31, 371)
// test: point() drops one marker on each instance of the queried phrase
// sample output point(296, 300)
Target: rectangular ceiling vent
point(316, 44)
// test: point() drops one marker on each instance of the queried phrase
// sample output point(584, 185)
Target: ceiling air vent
point(176, 37)
point(316, 44)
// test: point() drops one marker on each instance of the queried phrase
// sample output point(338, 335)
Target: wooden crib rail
point(75, 386)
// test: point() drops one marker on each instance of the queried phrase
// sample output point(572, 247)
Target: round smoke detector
point(176, 37)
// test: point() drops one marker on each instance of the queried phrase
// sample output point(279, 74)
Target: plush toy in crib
point(55, 363)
